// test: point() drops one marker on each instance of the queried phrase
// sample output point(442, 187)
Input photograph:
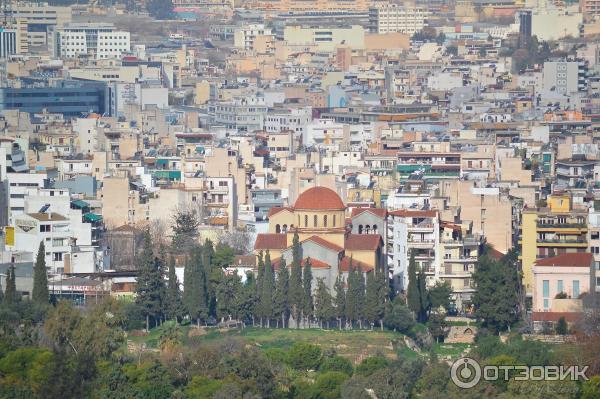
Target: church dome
point(319, 198)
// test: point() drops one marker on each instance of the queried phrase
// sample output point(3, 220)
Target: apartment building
point(413, 231)
point(245, 36)
point(40, 20)
point(243, 114)
point(565, 77)
point(551, 231)
point(325, 39)
point(98, 40)
point(397, 18)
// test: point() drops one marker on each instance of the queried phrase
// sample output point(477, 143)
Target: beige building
point(325, 39)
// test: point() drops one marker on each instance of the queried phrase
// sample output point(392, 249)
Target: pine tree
point(324, 310)
point(340, 299)
point(173, 308)
point(195, 298)
point(412, 292)
point(266, 299)
point(150, 283)
point(281, 301)
point(39, 294)
point(10, 294)
point(296, 292)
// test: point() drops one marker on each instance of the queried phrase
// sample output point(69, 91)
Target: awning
point(162, 161)
point(92, 217)
point(80, 204)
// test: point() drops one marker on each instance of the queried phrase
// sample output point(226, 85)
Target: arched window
point(325, 221)
point(374, 229)
point(360, 229)
point(284, 228)
point(305, 220)
point(291, 227)
point(277, 229)
point(334, 224)
point(367, 229)
point(315, 219)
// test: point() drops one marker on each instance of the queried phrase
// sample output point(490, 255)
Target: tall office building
point(101, 41)
point(39, 20)
point(395, 18)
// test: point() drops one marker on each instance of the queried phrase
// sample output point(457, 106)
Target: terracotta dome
point(317, 198)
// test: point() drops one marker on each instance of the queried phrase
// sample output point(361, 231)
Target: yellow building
point(551, 231)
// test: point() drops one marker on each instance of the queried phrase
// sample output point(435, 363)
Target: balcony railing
point(562, 240)
point(561, 225)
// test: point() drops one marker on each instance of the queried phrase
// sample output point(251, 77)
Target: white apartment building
point(243, 37)
point(288, 119)
point(565, 77)
point(244, 114)
point(102, 41)
point(18, 184)
point(396, 18)
point(408, 231)
point(324, 133)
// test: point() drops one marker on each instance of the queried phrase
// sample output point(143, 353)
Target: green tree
point(324, 310)
point(337, 363)
point(351, 306)
point(439, 295)
point(194, 293)
point(260, 277)
point(268, 285)
point(561, 326)
point(304, 356)
point(161, 9)
point(591, 388)
point(174, 308)
point(424, 302)
point(496, 297)
point(185, 231)
point(370, 365)
point(372, 300)
point(339, 300)
point(328, 385)
point(229, 297)
point(360, 296)
point(296, 291)
point(398, 317)
point(413, 298)
point(281, 301)
point(437, 326)
point(150, 283)
point(247, 303)
point(39, 294)
point(307, 304)
point(10, 294)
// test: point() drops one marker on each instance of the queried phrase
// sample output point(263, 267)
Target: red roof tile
point(271, 241)
point(316, 198)
point(571, 317)
point(413, 213)
point(376, 211)
point(581, 259)
point(362, 242)
point(315, 264)
point(495, 254)
point(324, 243)
point(277, 209)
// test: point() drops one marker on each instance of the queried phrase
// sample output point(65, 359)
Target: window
point(315, 219)
point(57, 256)
point(305, 220)
point(277, 229)
point(575, 289)
point(559, 286)
point(45, 228)
point(546, 304)
point(334, 220)
point(325, 221)
point(546, 288)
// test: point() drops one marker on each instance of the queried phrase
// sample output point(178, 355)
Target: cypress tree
point(307, 304)
point(371, 299)
point(40, 277)
point(212, 276)
point(195, 298)
point(382, 295)
point(360, 296)
point(10, 294)
point(351, 304)
point(340, 299)
point(266, 306)
point(1, 292)
point(296, 292)
point(281, 301)
point(412, 292)
point(324, 310)
point(423, 296)
point(173, 303)
point(260, 269)
point(150, 284)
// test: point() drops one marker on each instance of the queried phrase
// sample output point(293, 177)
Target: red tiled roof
point(244, 260)
point(345, 265)
point(413, 213)
point(376, 211)
point(495, 254)
point(362, 242)
point(324, 243)
point(271, 241)
point(581, 259)
point(571, 317)
point(277, 209)
point(316, 198)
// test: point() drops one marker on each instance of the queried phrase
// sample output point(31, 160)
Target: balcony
point(565, 241)
point(423, 226)
point(420, 243)
point(561, 225)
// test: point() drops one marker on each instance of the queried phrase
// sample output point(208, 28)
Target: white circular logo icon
point(465, 373)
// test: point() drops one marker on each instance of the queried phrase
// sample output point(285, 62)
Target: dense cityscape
point(300, 199)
